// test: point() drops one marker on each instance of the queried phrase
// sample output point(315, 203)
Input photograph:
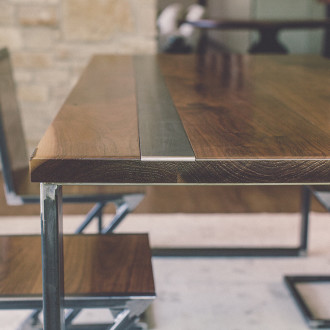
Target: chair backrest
point(13, 151)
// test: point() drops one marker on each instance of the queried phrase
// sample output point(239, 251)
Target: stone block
point(52, 77)
point(35, 60)
point(60, 93)
point(39, 38)
point(35, 15)
point(144, 12)
point(75, 52)
point(10, 37)
point(33, 128)
point(96, 20)
point(32, 93)
point(22, 76)
point(133, 45)
point(34, 1)
point(6, 13)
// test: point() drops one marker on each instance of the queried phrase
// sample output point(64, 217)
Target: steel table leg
point(52, 256)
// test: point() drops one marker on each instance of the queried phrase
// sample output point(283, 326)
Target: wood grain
point(249, 119)
point(252, 107)
point(25, 188)
point(14, 139)
point(99, 118)
point(198, 172)
point(106, 265)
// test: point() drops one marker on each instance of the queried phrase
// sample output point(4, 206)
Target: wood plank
point(162, 136)
point(241, 128)
point(94, 265)
point(252, 107)
point(309, 76)
point(239, 171)
point(25, 188)
point(99, 118)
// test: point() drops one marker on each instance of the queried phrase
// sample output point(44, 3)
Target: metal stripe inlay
point(162, 136)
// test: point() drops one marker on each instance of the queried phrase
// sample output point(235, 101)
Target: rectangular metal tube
point(162, 136)
point(52, 256)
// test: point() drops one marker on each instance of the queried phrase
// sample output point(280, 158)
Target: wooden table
point(268, 30)
point(184, 119)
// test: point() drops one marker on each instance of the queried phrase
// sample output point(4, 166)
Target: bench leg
point(52, 256)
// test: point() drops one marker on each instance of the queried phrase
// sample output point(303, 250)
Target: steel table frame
point(129, 308)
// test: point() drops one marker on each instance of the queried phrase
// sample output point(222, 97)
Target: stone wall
point(52, 40)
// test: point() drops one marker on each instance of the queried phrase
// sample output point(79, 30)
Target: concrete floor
point(218, 293)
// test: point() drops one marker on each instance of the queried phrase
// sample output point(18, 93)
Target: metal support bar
point(52, 256)
point(226, 252)
point(243, 251)
point(101, 327)
point(95, 211)
point(305, 206)
point(124, 320)
point(121, 213)
point(291, 282)
point(88, 327)
point(100, 222)
point(69, 317)
point(300, 250)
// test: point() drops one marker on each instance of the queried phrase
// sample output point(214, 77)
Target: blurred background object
point(52, 41)
point(302, 40)
point(175, 36)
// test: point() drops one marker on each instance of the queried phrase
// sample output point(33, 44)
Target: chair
point(18, 188)
point(322, 193)
point(15, 167)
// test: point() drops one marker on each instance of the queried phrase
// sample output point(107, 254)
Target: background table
point(268, 30)
point(186, 119)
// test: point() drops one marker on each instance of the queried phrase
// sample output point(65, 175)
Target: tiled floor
point(219, 293)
